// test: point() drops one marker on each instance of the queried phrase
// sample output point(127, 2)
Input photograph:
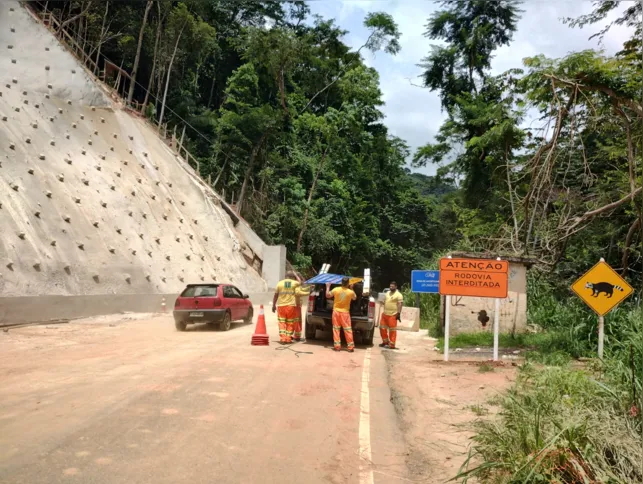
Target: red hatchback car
point(212, 303)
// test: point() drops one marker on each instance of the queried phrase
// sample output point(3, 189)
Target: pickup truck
point(320, 313)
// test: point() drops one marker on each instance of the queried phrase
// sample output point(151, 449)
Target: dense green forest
point(286, 119)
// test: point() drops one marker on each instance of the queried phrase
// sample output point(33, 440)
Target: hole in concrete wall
point(28, 141)
point(30, 171)
point(144, 215)
point(133, 251)
point(41, 157)
point(130, 213)
point(119, 230)
point(76, 199)
point(158, 240)
point(67, 218)
point(14, 186)
point(163, 279)
point(68, 161)
point(48, 194)
point(61, 178)
point(98, 167)
point(178, 239)
point(22, 235)
point(140, 235)
point(104, 204)
point(36, 213)
point(10, 266)
point(95, 277)
point(85, 181)
point(181, 220)
point(167, 257)
point(128, 279)
point(81, 246)
point(112, 250)
point(67, 269)
point(95, 224)
point(37, 267)
point(53, 243)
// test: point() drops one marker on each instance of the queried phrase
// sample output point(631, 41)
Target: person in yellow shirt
point(343, 297)
point(284, 303)
point(390, 316)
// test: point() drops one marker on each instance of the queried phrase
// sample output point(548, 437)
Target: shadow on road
point(205, 327)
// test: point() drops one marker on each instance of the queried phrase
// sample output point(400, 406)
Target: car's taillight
point(177, 303)
point(216, 302)
point(371, 309)
point(311, 303)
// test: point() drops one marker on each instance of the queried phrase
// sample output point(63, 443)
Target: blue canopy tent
point(331, 279)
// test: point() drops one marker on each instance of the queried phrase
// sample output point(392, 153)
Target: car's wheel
point(367, 339)
point(226, 323)
point(248, 318)
point(310, 331)
point(180, 325)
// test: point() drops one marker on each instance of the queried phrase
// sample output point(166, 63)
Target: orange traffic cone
point(260, 338)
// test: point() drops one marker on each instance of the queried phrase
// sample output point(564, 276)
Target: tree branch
point(75, 17)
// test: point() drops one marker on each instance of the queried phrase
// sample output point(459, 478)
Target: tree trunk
point(214, 78)
point(310, 198)
point(169, 74)
point(156, 48)
point(102, 34)
point(251, 164)
point(132, 82)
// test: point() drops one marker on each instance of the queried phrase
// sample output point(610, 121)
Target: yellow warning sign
point(601, 288)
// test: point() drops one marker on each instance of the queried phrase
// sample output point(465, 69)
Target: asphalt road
point(131, 400)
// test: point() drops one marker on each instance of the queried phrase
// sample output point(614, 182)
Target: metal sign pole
point(601, 335)
point(496, 329)
point(447, 316)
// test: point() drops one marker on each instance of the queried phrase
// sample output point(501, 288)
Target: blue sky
point(413, 113)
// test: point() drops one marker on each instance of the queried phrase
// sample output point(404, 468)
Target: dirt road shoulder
point(436, 403)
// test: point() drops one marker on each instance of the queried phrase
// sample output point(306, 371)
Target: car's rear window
point(200, 291)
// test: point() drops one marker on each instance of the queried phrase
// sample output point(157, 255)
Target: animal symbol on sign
point(483, 318)
point(605, 287)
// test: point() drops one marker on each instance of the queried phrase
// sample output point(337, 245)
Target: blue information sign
point(425, 281)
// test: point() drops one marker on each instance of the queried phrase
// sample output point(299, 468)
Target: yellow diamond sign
point(601, 288)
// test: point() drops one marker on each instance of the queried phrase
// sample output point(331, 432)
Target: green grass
point(472, 340)
point(479, 410)
point(485, 368)
point(558, 425)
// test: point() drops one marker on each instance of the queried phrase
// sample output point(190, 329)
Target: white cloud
point(413, 113)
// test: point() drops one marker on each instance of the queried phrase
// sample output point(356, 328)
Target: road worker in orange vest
point(391, 314)
point(284, 303)
point(343, 297)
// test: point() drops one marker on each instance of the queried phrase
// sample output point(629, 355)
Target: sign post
point(602, 289)
point(473, 278)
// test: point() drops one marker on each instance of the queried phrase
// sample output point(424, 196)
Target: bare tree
point(132, 83)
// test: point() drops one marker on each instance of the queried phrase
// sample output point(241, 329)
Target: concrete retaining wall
point(24, 309)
